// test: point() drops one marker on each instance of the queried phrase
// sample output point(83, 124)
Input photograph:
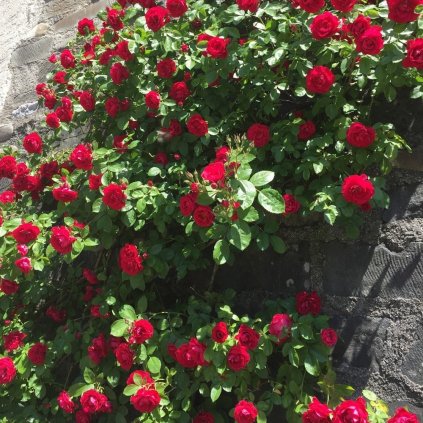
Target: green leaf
point(89, 375)
point(278, 244)
point(221, 252)
point(215, 393)
point(78, 389)
point(119, 328)
point(272, 201)
point(246, 193)
point(154, 365)
point(262, 178)
point(142, 304)
point(371, 396)
point(240, 235)
point(130, 390)
point(311, 365)
point(128, 313)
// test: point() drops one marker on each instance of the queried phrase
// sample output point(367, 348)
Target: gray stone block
point(6, 131)
point(33, 51)
point(406, 202)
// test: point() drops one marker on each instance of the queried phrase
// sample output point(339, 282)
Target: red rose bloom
point(414, 57)
point(124, 356)
point(122, 50)
point(87, 101)
point(245, 412)
point(156, 17)
point(61, 239)
point(33, 143)
point(64, 193)
point(93, 401)
point(98, 349)
point(85, 26)
point(319, 80)
point(357, 189)
point(329, 337)
point(371, 41)
point(24, 264)
point(8, 287)
point(7, 197)
point(82, 417)
point(119, 73)
point(238, 358)
point(308, 303)
point(8, 167)
point(311, 6)
point(292, 205)
point(113, 106)
point(13, 340)
point(220, 332)
point(217, 47)
point(343, 5)
point(324, 26)
point(130, 260)
point(214, 172)
point(67, 59)
point(141, 331)
point(25, 233)
point(166, 68)
point(248, 5)
point(317, 413)
point(152, 100)
point(94, 181)
point(403, 11)
point(403, 416)
point(203, 216)
point(280, 326)
point(60, 77)
point(179, 92)
point(65, 402)
point(248, 337)
point(351, 411)
point(259, 134)
point(359, 26)
point(52, 120)
point(197, 125)
point(203, 417)
point(361, 136)
point(191, 354)
point(113, 19)
point(145, 376)
point(82, 157)
point(187, 204)
point(114, 196)
point(7, 370)
point(56, 315)
point(37, 354)
point(176, 8)
point(306, 131)
point(145, 400)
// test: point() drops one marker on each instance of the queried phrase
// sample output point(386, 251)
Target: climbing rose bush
point(207, 126)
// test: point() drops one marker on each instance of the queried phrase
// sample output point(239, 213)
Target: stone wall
point(373, 287)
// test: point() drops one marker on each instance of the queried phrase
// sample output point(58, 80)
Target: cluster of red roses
point(350, 411)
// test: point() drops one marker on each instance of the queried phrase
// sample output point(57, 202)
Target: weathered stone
point(25, 110)
point(41, 29)
point(6, 131)
point(406, 202)
point(413, 361)
point(32, 51)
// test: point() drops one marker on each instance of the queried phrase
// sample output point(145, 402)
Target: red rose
point(60, 77)
point(280, 326)
point(324, 26)
point(308, 303)
point(82, 417)
point(351, 410)
point(7, 370)
point(214, 172)
point(119, 73)
point(145, 376)
point(145, 400)
point(361, 136)
point(33, 143)
point(222, 154)
point(238, 358)
point(414, 57)
point(197, 125)
point(122, 50)
point(152, 100)
point(56, 315)
point(319, 80)
point(359, 26)
point(37, 354)
point(67, 59)
point(203, 417)
point(87, 101)
point(24, 264)
point(130, 260)
point(357, 189)
point(166, 68)
point(22, 249)
point(61, 239)
point(8, 287)
point(113, 106)
point(13, 340)
point(245, 412)
point(187, 204)
point(343, 5)
point(52, 120)
point(90, 277)
point(114, 196)
point(306, 131)
point(64, 193)
point(248, 337)
point(292, 205)
point(176, 8)
point(191, 354)
point(403, 416)
point(141, 331)
point(25, 233)
point(317, 413)
point(203, 216)
point(124, 356)
point(311, 6)
point(329, 337)
point(146, 3)
point(403, 11)
point(156, 17)
point(217, 47)
point(94, 181)
point(259, 134)
point(179, 92)
point(8, 167)
point(85, 26)
point(98, 349)
point(113, 19)
point(82, 157)
point(93, 401)
point(371, 41)
point(65, 402)
point(248, 5)
point(7, 197)
point(220, 332)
